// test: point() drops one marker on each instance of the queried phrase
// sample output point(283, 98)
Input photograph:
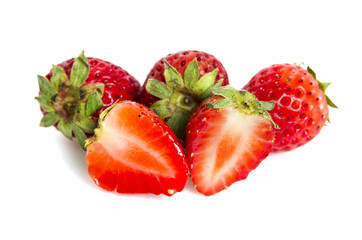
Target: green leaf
point(80, 71)
point(161, 108)
point(88, 89)
point(218, 84)
point(45, 103)
point(65, 128)
point(99, 88)
point(312, 72)
point(205, 82)
point(49, 119)
point(158, 89)
point(247, 99)
point(191, 74)
point(45, 87)
point(58, 77)
point(209, 92)
point(221, 104)
point(173, 77)
point(86, 124)
point(94, 103)
point(330, 103)
point(226, 91)
point(323, 86)
point(178, 122)
point(81, 108)
point(267, 105)
point(79, 135)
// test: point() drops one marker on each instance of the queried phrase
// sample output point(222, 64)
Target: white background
point(313, 192)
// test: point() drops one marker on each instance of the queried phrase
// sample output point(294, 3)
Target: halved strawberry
point(227, 137)
point(134, 151)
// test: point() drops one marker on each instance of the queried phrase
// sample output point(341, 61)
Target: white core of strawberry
point(125, 146)
point(231, 144)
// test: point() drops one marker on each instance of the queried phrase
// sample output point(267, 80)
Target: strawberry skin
point(74, 93)
point(180, 60)
point(301, 105)
point(134, 151)
point(224, 145)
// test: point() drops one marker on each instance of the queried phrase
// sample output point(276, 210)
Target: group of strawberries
point(186, 120)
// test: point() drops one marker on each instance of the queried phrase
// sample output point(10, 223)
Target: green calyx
point(98, 130)
point(243, 101)
point(68, 102)
point(323, 87)
point(180, 96)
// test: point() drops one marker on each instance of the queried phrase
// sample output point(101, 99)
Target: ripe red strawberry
point(134, 151)
point(178, 83)
point(301, 105)
point(74, 93)
point(227, 137)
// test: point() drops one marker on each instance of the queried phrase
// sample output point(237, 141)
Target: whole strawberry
point(228, 135)
point(74, 93)
point(178, 83)
point(301, 104)
point(134, 151)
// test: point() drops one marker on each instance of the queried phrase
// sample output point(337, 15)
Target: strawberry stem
point(184, 101)
point(179, 97)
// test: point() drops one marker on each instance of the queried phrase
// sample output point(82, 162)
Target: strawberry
point(178, 83)
point(301, 108)
point(228, 135)
point(134, 151)
point(74, 93)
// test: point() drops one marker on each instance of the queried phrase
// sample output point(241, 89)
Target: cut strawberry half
point(134, 151)
point(227, 137)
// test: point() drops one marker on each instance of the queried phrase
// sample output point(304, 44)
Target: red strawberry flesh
point(136, 152)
